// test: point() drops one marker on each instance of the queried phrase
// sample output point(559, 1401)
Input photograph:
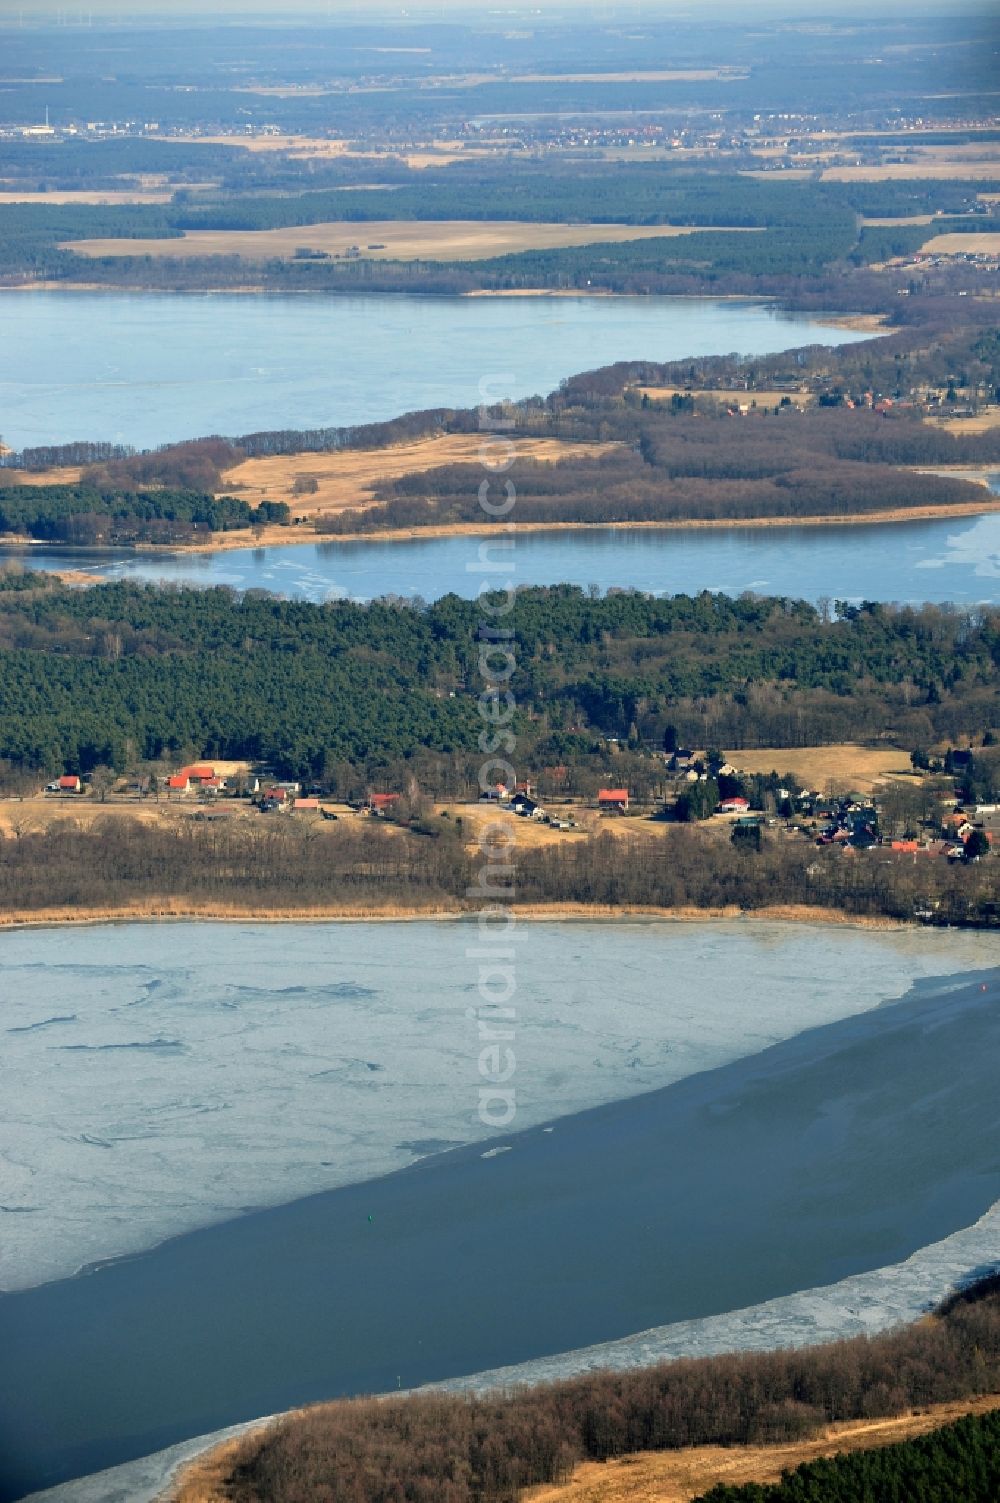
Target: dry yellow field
point(63, 475)
point(678, 1476)
point(347, 478)
point(24, 815)
point(528, 834)
point(91, 196)
point(435, 153)
point(907, 171)
point(911, 219)
point(958, 245)
point(311, 145)
point(988, 418)
point(854, 768)
point(399, 240)
point(784, 174)
point(762, 398)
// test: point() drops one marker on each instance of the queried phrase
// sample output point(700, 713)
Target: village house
point(68, 783)
point(498, 794)
point(613, 800)
point(199, 774)
point(178, 784)
point(305, 806)
point(956, 826)
point(381, 803)
point(735, 805)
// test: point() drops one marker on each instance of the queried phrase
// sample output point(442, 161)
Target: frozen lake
point(823, 1105)
point(954, 560)
point(147, 368)
point(172, 1076)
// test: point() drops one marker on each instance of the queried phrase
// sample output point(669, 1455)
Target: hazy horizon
point(81, 12)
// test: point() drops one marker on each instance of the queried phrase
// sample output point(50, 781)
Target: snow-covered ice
point(157, 1078)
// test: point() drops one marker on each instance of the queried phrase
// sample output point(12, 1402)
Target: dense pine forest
point(960, 1463)
point(348, 693)
point(88, 514)
point(453, 1449)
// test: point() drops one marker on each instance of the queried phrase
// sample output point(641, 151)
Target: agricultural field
point(384, 240)
point(857, 769)
point(985, 244)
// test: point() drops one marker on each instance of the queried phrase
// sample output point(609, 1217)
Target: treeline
point(125, 162)
point(438, 1448)
point(622, 489)
point(91, 513)
point(351, 693)
point(959, 1462)
point(49, 456)
point(400, 430)
point(289, 866)
point(164, 495)
point(706, 465)
point(796, 229)
point(591, 193)
point(948, 341)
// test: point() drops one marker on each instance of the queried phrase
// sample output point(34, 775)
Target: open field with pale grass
point(908, 171)
point(381, 240)
point(679, 1476)
point(347, 478)
point(957, 245)
point(854, 768)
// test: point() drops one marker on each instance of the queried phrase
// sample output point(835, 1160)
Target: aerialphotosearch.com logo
point(494, 888)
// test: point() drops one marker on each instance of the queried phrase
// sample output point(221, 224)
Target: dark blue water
point(844, 1149)
point(954, 560)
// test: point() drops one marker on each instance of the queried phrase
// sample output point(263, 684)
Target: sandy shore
point(976, 474)
point(283, 537)
point(178, 910)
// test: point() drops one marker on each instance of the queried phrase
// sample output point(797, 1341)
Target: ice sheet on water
point(160, 1078)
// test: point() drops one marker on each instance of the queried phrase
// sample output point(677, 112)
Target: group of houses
point(521, 801)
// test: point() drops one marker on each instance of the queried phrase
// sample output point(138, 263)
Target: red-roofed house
point(179, 782)
point(381, 803)
point(734, 805)
point(306, 806)
point(70, 783)
point(613, 798)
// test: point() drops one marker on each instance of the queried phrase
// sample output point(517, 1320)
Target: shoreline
point(166, 910)
point(204, 1477)
point(277, 536)
point(876, 323)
